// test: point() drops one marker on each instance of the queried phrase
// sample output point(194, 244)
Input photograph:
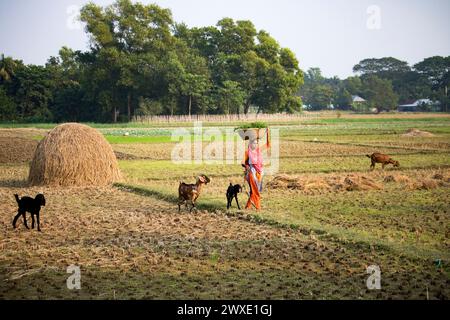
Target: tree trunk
point(446, 98)
point(129, 106)
point(114, 114)
point(190, 105)
point(246, 107)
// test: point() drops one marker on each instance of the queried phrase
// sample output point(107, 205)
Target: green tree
point(314, 75)
point(235, 37)
point(268, 74)
point(379, 93)
point(149, 107)
point(193, 87)
point(67, 93)
point(343, 99)
point(322, 97)
point(33, 92)
point(137, 53)
point(384, 68)
point(397, 71)
point(353, 85)
point(316, 92)
point(130, 40)
point(192, 77)
point(230, 98)
point(7, 106)
point(436, 72)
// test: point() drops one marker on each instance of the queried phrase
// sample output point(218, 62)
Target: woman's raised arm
point(267, 145)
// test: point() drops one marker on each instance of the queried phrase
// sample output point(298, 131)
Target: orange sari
point(254, 174)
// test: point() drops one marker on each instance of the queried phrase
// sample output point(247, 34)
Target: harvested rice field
point(326, 217)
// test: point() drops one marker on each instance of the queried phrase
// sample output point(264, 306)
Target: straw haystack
point(417, 133)
point(73, 154)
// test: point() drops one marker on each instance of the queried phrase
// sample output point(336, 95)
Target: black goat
point(232, 192)
point(33, 206)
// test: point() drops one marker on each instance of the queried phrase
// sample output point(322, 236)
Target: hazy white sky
point(331, 34)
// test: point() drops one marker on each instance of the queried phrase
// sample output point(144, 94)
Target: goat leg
point(38, 224)
point(25, 220)
point(15, 219)
point(237, 202)
point(180, 202)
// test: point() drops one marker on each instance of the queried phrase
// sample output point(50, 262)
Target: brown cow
point(384, 159)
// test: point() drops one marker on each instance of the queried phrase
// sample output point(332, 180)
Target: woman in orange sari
point(254, 172)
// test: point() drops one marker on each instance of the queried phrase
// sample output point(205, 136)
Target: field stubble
point(133, 245)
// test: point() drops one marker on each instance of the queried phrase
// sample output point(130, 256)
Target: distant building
point(358, 99)
point(419, 105)
point(359, 104)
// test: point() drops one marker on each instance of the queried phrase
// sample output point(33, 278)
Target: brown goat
point(383, 159)
point(190, 192)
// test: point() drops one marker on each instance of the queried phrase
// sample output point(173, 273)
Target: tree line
point(141, 62)
point(384, 83)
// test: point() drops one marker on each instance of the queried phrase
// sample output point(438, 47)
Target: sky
point(333, 35)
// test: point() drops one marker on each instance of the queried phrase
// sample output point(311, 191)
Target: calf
point(383, 159)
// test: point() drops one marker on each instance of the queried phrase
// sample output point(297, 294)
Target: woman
point(253, 164)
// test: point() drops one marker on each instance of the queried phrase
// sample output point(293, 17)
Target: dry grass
point(74, 155)
point(300, 149)
point(417, 133)
point(26, 133)
point(408, 115)
point(108, 228)
point(142, 248)
point(317, 184)
point(153, 151)
point(324, 184)
point(18, 145)
point(131, 243)
point(288, 149)
point(19, 149)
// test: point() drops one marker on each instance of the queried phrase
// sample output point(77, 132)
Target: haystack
point(417, 133)
point(73, 154)
point(324, 184)
point(356, 182)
